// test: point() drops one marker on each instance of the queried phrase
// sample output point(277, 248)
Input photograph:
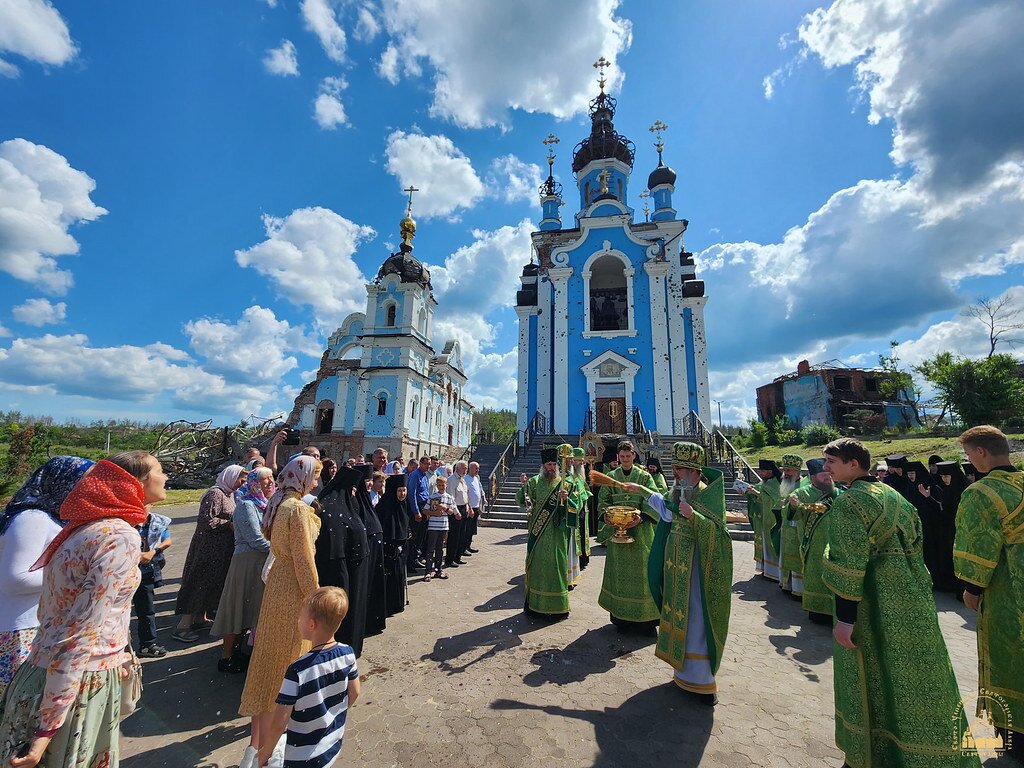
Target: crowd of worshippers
point(266, 546)
point(864, 556)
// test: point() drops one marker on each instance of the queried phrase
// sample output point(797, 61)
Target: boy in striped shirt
point(318, 689)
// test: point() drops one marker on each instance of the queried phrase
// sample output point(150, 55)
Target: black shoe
point(707, 699)
point(454, 564)
point(823, 619)
point(459, 562)
point(224, 665)
point(238, 663)
point(473, 551)
point(153, 651)
point(467, 553)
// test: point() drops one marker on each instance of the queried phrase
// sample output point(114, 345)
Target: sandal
point(427, 577)
point(184, 636)
point(441, 575)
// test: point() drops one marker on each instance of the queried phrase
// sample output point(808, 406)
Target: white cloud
point(468, 44)
point(387, 67)
point(39, 312)
point(492, 376)
point(4, 331)
point(271, 3)
point(69, 365)
point(228, 347)
point(308, 257)
point(35, 30)
point(41, 196)
point(494, 259)
point(320, 19)
point(367, 26)
point(439, 169)
point(282, 60)
point(328, 111)
point(513, 180)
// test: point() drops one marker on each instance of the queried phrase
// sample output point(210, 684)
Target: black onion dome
point(408, 268)
point(531, 269)
point(661, 175)
point(604, 142)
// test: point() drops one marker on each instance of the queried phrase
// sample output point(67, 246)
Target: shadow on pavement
point(491, 639)
point(510, 598)
point(190, 752)
point(519, 538)
point(672, 729)
point(592, 653)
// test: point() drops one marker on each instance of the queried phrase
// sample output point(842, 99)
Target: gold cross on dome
point(410, 189)
point(647, 211)
point(599, 65)
point(550, 142)
point(602, 178)
point(657, 129)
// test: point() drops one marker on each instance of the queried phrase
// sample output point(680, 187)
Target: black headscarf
point(392, 513)
point(364, 503)
point(342, 523)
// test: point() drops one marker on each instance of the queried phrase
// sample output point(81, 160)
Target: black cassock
point(936, 525)
point(341, 553)
point(376, 598)
point(949, 499)
point(394, 521)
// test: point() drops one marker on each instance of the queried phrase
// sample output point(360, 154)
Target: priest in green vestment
point(896, 699)
point(579, 478)
point(625, 593)
point(552, 515)
point(988, 556)
point(791, 577)
point(809, 506)
point(766, 506)
point(690, 572)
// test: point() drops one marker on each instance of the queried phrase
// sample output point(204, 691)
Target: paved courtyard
point(463, 678)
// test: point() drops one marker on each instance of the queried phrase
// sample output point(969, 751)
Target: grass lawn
point(916, 448)
point(183, 496)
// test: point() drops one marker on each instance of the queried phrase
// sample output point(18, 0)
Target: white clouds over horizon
point(328, 111)
point(34, 30)
point(474, 84)
point(41, 197)
point(39, 312)
point(282, 60)
point(443, 174)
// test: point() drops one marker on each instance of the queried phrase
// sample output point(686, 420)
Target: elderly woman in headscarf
point(64, 703)
point(292, 526)
point(30, 522)
point(209, 555)
point(239, 606)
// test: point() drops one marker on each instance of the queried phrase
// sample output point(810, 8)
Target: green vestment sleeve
point(979, 537)
point(846, 556)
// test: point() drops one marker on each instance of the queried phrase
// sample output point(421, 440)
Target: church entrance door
point(610, 404)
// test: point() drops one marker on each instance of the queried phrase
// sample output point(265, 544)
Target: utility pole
point(719, 403)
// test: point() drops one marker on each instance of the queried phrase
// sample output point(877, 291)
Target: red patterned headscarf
point(107, 491)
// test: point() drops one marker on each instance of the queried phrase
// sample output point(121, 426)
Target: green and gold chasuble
point(770, 501)
point(660, 483)
point(754, 517)
point(789, 539)
point(989, 552)
point(583, 529)
point(897, 701)
point(812, 528)
point(625, 593)
point(547, 545)
point(702, 538)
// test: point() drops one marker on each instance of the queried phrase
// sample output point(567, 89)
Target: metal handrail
point(537, 426)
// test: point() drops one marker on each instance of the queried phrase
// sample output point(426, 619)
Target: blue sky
point(192, 195)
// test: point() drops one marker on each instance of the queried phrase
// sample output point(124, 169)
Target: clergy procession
point(859, 553)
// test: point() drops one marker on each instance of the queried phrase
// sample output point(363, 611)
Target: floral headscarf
point(297, 479)
point(46, 489)
point(252, 490)
point(228, 478)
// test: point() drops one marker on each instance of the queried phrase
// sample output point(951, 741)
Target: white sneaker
point(249, 757)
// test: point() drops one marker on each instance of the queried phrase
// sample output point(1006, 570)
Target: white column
point(544, 348)
point(677, 353)
point(700, 358)
point(359, 417)
point(526, 376)
point(657, 271)
point(560, 319)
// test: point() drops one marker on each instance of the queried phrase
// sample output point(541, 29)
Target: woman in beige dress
point(293, 528)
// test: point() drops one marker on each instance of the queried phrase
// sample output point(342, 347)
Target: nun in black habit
point(393, 513)
point(922, 492)
point(376, 597)
point(341, 553)
point(951, 486)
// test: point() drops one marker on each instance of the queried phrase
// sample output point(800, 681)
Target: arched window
point(392, 312)
point(415, 407)
point(437, 417)
point(427, 412)
point(586, 193)
point(608, 306)
point(353, 353)
point(324, 417)
point(421, 321)
point(382, 404)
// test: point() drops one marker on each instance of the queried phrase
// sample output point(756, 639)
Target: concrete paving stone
point(463, 678)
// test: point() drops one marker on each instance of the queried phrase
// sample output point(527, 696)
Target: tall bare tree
point(1000, 319)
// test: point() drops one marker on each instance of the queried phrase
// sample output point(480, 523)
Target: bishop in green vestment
point(766, 506)
point(690, 572)
point(988, 555)
point(552, 515)
point(810, 505)
point(896, 700)
point(625, 593)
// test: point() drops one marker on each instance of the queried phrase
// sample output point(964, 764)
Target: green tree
point(897, 383)
point(985, 391)
point(497, 426)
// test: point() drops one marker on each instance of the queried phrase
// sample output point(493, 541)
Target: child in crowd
point(156, 537)
point(439, 507)
point(377, 487)
point(312, 705)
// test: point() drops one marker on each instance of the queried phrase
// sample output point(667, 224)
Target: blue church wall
point(390, 295)
point(381, 425)
point(350, 404)
point(807, 401)
point(327, 390)
point(899, 415)
point(531, 402)
point(355, 330)
point(691, 371)
point(616, 181)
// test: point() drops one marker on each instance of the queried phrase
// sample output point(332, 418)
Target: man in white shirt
point(477, 500)
point(459, 489)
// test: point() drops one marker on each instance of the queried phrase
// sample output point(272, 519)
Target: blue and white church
point(611, 315)
point(380, 381)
